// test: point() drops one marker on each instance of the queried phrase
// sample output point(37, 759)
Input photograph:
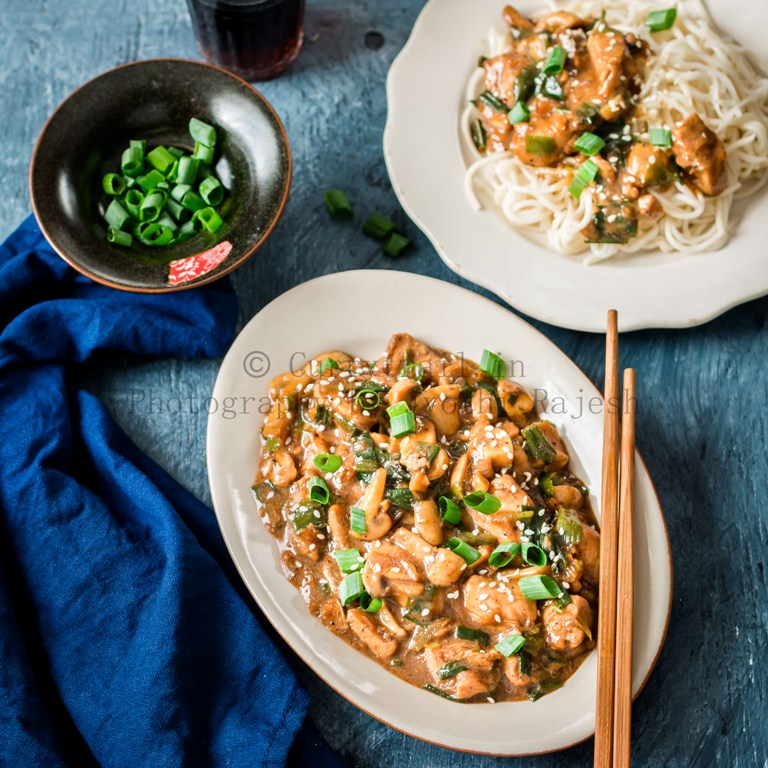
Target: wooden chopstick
point(606, 629)
point(625, 585)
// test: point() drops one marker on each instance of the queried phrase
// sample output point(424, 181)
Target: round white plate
point(340, 312)
point(426, 93)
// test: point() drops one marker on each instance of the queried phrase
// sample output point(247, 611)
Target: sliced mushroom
point(484, 405)
point(377, 521)
point(279, 468)
point(516, 401)
point(443, 405)
point(428, 522)
point(338, 523)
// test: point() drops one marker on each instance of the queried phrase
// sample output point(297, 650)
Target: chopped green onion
point(179, 191)
point(493, 101)
point(584, 176)
point(327, 462)
point(140, 144)
point(467, 633)
point(400, 497)
point(203, 154)
point(547, 482)
point(533, 555)
point(193, 202)
point(118, 237)
point(151, 206)
point(536, 445)
point(551, 88)
point(351, 588)
point(113, 184)
point(151, 180)
point(451, 669)
point(492, 364)
point(187, 171)
point(132, 162)
point(338, 205)
point(349, 560)
point(555, 61)
point(658, 21)
point(540, 587)
point(328, 364)
point(154, 233)
point(589, 144)
point(208, 216)
point(464, 550)
point(478, 136)
point(442, 694)
point(166, 220)
point(525, 84)
point(519, 114)
point(504, 554)
point(395, 244)
point(202, 132)
point(357, 520)
point(369, 603)
point(661, 137)
point(272, 444)
point(482, 502)
point(368, 399)
point(509, 645)
point(176, 152)
point(539, 145)
point(378, 227)
point(179, 212)
point(450, 511)
point(318, 490)
point(401, 420)
point(132, 201)
point(117, 217)
point(161, 159)
point(211, 191)
point(188, 229)
point(568, 527)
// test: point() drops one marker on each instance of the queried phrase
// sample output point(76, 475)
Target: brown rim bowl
point(154, 100)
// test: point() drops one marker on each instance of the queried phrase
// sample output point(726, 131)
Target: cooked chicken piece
point(402, 391)
point(503, 523)
point(377, 521)
point(512, 672)
point(428, 522)
point(307, 542)
point(650, 207)
point(500, 74)
point(380, 642)
point(442, 404)
point(567, 496)
point(588, 551)
point(278, 467)
point(699, 151)
point(521, 466)
point(338, 524)
point(480, 676)
point(568, 627)
point(649, 165)
point(402, 345)
point(312, 445)
point(613, 65)
point(561, 455)
point(517, 403)
point(441, 566)
point(559, 21)
point(329, 398)
point(515, 19)
point(484, 406)
point(391, 571)
point(491, 448)
point(492, 602)
point(547, 121)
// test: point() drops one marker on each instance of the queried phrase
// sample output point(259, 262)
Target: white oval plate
point(342, 312)
point(426, 92)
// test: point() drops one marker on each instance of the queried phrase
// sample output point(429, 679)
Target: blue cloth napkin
point(125, 636)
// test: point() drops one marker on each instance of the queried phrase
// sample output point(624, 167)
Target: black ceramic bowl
point(154, 100)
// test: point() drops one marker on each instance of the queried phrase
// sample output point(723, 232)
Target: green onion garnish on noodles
point(318, 490)
point(539, 145)
point(589, 144)
point(658, 21)
point(349, 560)
point(533, 555)
point(351, 588)
point(493, 101)
point(478, 136)
point(482, 502)
point(202, 132)
point(509, 645)
point(338, 205)
point(378, 227)
point(583, 177)
point(327, 462)
point(450, 511)
point(357, 521)
point(555, 61)
point(462, 549)
point(519, 114)
point(540, 587)
point(492, 364)
point(661, 137)
point(504, 554)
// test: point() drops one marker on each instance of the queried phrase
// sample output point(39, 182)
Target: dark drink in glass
point(256, 39)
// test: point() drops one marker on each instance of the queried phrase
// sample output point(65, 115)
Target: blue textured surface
point(702, 419)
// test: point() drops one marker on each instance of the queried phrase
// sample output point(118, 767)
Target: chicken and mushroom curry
point(429, 517)
point(566, 96)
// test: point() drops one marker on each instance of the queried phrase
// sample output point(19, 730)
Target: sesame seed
point(396, 569)
point(497, 618)
point(312, 547)
point(425, 612)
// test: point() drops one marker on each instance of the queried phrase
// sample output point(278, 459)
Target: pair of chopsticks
point(614, 636)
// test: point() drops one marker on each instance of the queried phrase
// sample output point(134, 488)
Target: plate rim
point(676, 315)
point(220, 501)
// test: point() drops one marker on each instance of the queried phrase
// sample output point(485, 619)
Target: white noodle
point(692, 69)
